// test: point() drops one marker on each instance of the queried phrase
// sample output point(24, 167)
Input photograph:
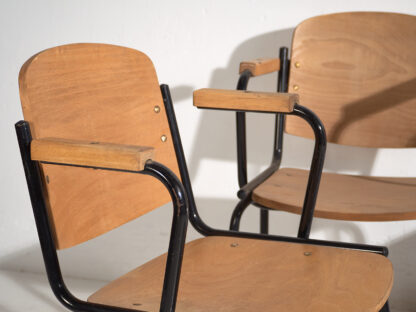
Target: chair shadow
point(215, 136)
point(181, 92)
point(374, 104)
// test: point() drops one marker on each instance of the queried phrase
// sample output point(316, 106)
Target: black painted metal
point(282, 82)
point(237, 213)
point(246, 189)
point(315, 172)
point(241, 133)
point(194, 217)
point(44, 230)
point(178, 232)
point(176, 244)
point(264, 221)
point(385, 308)
point(205, 229)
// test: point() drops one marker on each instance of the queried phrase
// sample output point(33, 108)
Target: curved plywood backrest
point(357, 72)
point(103, 93)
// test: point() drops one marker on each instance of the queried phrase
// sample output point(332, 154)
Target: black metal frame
point(207, 230)
point(176, 243)
point(183, 204)
point(313, 181)
point(246, 188)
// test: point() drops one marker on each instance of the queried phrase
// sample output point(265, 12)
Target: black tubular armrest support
point(241, 133)
point(282, 80)
point(176, 244)
point(178, 232)
point(315, 172)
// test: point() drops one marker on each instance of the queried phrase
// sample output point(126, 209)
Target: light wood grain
point(343, 197)
point(259, 276)
point(260, 66)
point(245, 100)
point(92, 154)
point(357, 72)
point(96, 93)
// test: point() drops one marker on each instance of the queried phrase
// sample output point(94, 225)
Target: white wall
point(193, 44)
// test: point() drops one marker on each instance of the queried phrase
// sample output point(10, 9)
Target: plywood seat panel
point(235, 274)
point(344, 197)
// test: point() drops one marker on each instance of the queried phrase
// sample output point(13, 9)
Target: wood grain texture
point(245, 100)
point(260, 66)
point(92, 154)
point(357, 72)
point(343, 197)
point(96, 93)
point(259, 276)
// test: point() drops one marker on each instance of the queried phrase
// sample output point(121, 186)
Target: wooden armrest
point(245, 100)
point(91, 154)
point(260, 66)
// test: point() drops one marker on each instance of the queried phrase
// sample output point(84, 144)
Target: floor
point(31, 292)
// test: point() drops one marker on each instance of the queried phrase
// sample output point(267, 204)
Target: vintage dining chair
point(357, 72)
point(98, 129)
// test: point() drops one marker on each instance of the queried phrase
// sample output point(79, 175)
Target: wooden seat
point(342, 197)
point(235, 274)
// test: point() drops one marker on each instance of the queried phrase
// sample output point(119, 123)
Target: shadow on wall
point(216, 129)
point(216, 135)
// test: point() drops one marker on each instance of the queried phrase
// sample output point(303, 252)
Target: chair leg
point(385, 308)
point(238, 212)
point(264, 221)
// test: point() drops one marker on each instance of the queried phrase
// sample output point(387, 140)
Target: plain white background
point(193, 44)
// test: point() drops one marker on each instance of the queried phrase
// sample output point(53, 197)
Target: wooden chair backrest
point(103, 93)
point(357, 72)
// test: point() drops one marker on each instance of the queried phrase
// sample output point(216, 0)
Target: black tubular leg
point(282, 80)
point(385, 308)
point(315, 173)
point(178, 232)
point(176, 243)
point(238, 212)
point(47, 244)
point(264, 221)
point(194, 217)
point(241, 134)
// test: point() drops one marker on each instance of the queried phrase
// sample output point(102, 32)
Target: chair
point(97, 142)
point(357, 72)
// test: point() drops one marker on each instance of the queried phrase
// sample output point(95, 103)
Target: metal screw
point(156, 109)
point(296, 87)
point(308, 253)
point(47, 179)
point(136, 304)
point(163, 138)
point(234, 245)
point(297, 64)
